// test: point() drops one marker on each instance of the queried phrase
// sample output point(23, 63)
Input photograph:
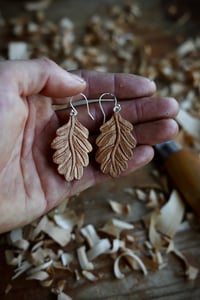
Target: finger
point(124, 86)
point(39, 76)
point(156, 132)
point(136, 111)
point(150, 109)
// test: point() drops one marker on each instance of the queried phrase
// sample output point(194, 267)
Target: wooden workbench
point(168, 283)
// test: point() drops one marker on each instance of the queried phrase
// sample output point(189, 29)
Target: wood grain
point(72, 148)
point(115, 145)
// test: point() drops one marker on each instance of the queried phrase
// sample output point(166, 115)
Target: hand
point(29, 183)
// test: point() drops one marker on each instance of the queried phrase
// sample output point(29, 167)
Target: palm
point(29, 182)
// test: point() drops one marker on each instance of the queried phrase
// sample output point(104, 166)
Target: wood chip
point(100, 248)
point(83, 259)
point(59, 235)
point(63, 296)
point(132, 258)
point(190, 124)
point(191, 272)
point(18, 50)
point(171, 215)
point(39, 5)
point(40, 276)
point(141, 195)
point(120, 208)
point(90, 234)
point(8, 288)
point(89, 275)
point(114, 227)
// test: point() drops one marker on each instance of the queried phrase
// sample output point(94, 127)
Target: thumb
point(39, 76)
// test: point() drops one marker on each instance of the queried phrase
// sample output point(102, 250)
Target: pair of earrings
point(115, 144)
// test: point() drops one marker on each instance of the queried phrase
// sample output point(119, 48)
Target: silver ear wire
point(116, 108)
point(87, 103)
point(74, 112)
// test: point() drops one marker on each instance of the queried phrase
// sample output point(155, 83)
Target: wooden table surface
point(168, 283)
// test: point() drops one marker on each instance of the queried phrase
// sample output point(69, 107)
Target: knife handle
point(183, 167)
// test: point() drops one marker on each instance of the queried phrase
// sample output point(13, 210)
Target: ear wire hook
point(116, 108)
point(74, 112)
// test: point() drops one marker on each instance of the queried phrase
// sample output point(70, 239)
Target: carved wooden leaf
point(116, 144)
point(72, 148)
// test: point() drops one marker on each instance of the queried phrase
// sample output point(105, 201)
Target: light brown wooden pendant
point(115, 145)
point(72, 148)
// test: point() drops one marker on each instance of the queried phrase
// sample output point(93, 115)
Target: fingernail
point(153, 82)
point(153, 85)
point(78, 78)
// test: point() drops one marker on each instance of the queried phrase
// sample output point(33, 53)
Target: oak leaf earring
point(115, 142)
point(72, 146)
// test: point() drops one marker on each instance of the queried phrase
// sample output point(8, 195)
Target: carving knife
point(183, 167)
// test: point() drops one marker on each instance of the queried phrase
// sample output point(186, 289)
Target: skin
point(29, 183)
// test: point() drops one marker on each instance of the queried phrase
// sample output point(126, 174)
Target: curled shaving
point(128, 253)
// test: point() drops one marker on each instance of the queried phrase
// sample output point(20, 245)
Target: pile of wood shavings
point(115, 42)
point(60, 241)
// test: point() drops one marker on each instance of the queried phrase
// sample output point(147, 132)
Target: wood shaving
point(119, 208)
point(154, 237)
point(90, 276)
point(128, 254)
point(189, 123)
point(114, 227)
point(153, 199)
point(130, 191)
point(59, 288)
point(66, 258)
point(191, 272)
point(66, 220)
point(12, 259)
point(39, 5)
point(77, 275)
point(8, 289)
point(60, 235)
point(186, 48)
point(40, 275)
point(63, 296)
point(90, 234)
point(42, 266)
point(83, 259)
point(141, 195)
point(21, 269)
point(117, 245)
point(100, 248)
point(18, 50)
point(171, 215)
point(165, 222)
